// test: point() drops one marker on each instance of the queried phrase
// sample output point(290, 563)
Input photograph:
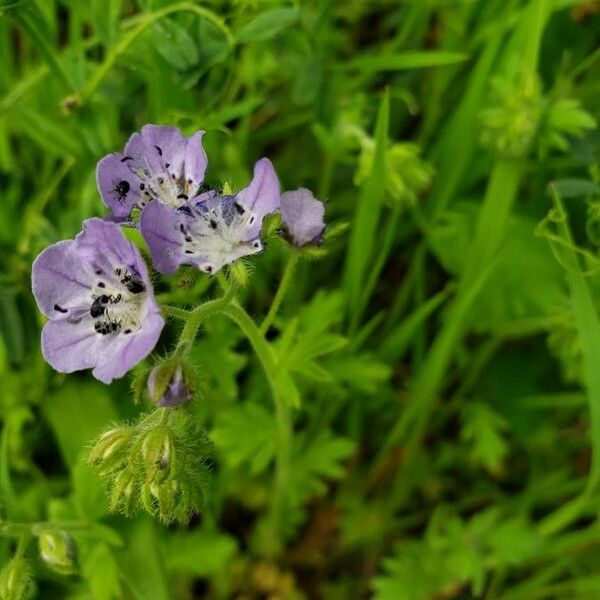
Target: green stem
point(195, 318)
point(175, 312)
point(283, 419)
point(29, 529)
point(290, 267)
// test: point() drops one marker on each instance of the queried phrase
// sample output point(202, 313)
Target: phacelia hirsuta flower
point(302, 214)
point(211, 230)
point(158, 163)
point(96, 292)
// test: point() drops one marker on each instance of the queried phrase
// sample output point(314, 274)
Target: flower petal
point(159, 225)
point(118, 186)
point(124, 352)
point(97, 292)
point(59, 285)
point(303, 216)
point(69, 347)
point(262, 196)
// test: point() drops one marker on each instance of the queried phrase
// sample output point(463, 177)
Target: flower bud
point(110, 450)
point(239, 272)
point(166, 387)
point(123, 494)
point(157, 450)
point(16, 582)
point(57, 549)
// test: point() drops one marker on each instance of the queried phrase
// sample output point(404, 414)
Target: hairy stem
point(283, 419)
point(288, 272)
point(195, 318)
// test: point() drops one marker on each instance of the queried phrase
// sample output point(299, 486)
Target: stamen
point(60, 309)
point(159, 150)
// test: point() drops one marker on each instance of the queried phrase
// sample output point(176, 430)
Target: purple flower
point(303, 215)
point(213, 230)
point(157, 164)
point(97, 294)
point(176, 392)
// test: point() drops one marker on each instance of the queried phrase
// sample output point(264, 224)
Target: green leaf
point(317, 460)
point(402, 61)
point(484, 430)
point(199, 553)
point(574, 188)
point(268, 24)
point(101, 571)
point(77, 413)
point(366, 218)
point(246, 434)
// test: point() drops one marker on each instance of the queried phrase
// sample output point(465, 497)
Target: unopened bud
point(57, 549)
point(271, 225)
point(123, 493)
point(166, 387)
point(110, 450)
point(16, 582)
point(157, 449)
point(239, 272)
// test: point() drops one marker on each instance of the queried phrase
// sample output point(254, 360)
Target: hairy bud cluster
point(158, 465)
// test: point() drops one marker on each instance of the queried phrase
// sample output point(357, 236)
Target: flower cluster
point(96, 290)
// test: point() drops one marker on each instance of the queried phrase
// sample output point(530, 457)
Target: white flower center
point(118, 302)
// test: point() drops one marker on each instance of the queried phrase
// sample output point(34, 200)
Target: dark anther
point(209, 269)
point(173, 176)
point(142, 186)
point(167, 165)
point(106, 327)
point(239, 208)
point(189, 182)
point(256, 244)
point(117, 299)
point(181, 228)
point(127, 331)
point(99, 271)
point(251, 220)
point(126, 158)
point(101, 284)
point(188, 238)
point(184, 196)
point(213, 224)
point(185, 209)
point(189, 252)
point(118, 272)
point(159, 150)
point(160, 180)
point(134, 286)
point(60, 308)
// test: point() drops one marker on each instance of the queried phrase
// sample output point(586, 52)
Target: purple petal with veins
point(97, 294)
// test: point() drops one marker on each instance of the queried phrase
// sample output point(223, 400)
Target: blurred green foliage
point(440, 353)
